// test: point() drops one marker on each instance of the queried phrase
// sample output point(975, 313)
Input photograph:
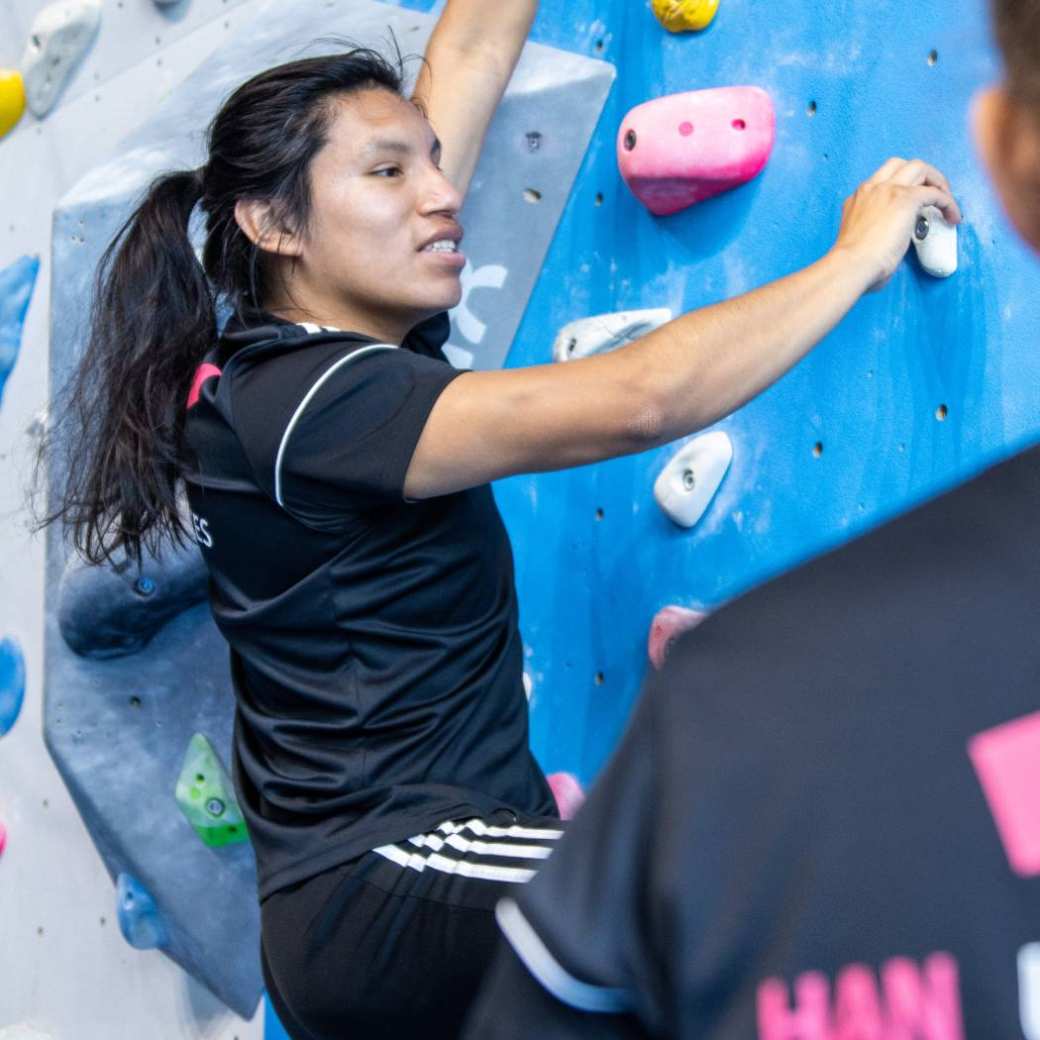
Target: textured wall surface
point(852, 83)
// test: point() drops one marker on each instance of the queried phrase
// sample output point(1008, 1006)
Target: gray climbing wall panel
point(133, 668)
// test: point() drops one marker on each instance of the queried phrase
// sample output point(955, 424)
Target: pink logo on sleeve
point(202, 373)
point(1007, 761)
point(911, 1003)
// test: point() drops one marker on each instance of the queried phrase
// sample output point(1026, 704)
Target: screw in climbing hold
point(215, 807)
point(144, 586)
point(689, 479)
point(921, 231)
point(630, 140)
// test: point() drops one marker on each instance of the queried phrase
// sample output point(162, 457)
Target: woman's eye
point(388, 169)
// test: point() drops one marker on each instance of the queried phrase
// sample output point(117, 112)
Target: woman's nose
point(442, 194)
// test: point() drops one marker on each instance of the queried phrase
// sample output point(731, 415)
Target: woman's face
point(378, 197)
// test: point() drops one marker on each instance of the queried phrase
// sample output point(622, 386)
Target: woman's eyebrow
point(388, 144)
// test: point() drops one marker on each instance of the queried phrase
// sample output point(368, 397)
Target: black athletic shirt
point(375, 650)
point(823, 821)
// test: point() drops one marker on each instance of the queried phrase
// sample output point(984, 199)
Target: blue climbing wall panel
point(853, 83)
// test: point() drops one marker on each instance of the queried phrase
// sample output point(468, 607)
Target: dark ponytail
point(120, 422)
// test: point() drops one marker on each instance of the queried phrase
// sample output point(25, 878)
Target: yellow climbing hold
point(685, 15)
point(12, 99)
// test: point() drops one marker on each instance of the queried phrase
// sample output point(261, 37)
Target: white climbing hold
point(60, 35)
point(604, 332)
point(688, 483)
point(936, 243)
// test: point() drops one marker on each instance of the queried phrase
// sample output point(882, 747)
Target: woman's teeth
point(441, 247)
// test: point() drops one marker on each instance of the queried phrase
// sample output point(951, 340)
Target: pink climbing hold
point(568, 793)
point(667, 626)
point(3, 838)
point(681, 149)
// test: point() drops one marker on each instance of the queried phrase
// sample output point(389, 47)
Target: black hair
point(153, 315)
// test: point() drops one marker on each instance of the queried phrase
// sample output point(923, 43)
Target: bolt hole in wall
point(600, 678)
point(532, 195)
point(933, 57)
point(941, 412)
point(811, 109)
point(817, 449)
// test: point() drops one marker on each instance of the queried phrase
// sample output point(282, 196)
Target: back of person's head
point(153, 316)
point(1007, 116)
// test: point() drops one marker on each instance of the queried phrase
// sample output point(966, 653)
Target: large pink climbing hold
point(667, 626)
point(568, 794)
point(681, 149)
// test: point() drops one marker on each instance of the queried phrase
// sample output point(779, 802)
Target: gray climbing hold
point(16, 288)
point(115, 609)
point(604, 332)
point(12, 684)
point(60, 35)
point(688, 483)
point(139, 918)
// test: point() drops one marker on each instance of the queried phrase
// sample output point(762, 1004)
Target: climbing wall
point(922, 385)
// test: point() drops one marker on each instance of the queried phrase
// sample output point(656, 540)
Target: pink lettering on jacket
point(907, 1003)
point(202, 373)
point(1007, 762)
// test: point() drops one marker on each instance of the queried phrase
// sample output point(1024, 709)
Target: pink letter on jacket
point(1007, 761)
point(684, 148)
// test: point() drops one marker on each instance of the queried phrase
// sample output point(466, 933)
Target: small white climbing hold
point(60, 35)
point(528, 684)
point(603, 332)
point(936, 243)
point(688, 483)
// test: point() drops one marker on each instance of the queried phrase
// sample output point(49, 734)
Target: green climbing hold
point(206, 797)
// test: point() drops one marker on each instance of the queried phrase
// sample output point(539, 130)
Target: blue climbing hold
point(115, 609)
point(16, 289)
point(12, 683)
point(140, 921)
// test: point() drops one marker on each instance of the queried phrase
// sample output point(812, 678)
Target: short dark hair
point(1017, 24)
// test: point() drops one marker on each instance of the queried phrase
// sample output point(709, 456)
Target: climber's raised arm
point(684, 375)
point(470, 57)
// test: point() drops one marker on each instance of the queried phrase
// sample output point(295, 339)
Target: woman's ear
point(257, 221)
point(1007, 135)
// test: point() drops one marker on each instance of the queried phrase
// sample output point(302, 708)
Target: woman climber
point(337, 470)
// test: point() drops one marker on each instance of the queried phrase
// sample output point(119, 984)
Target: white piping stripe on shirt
point(482, 848)
point(436, 861)
point(547, 969)
point(484, 830)
point(303, 404)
